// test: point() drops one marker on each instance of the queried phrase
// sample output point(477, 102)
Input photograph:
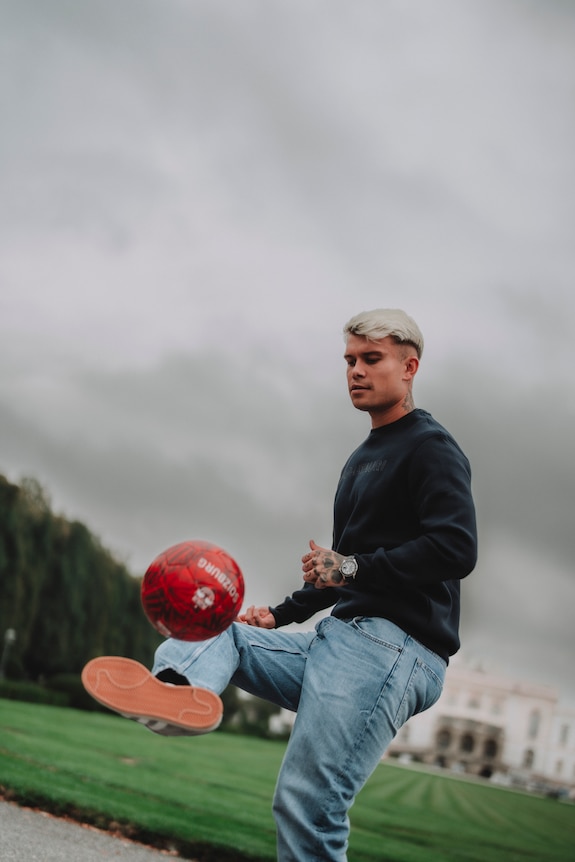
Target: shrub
point(31, 692)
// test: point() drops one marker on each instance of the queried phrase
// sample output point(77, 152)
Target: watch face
point(348, 567)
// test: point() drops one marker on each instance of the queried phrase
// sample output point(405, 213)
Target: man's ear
point(411, 366)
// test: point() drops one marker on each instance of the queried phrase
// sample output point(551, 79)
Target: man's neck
point(392, 414)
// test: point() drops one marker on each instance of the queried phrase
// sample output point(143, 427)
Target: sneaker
point(127, 687)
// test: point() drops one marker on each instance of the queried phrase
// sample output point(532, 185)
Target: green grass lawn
point(210, 797)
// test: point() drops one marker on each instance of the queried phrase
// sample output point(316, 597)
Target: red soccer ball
point(192, 591)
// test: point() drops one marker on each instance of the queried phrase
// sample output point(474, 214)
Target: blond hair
point(383, 322)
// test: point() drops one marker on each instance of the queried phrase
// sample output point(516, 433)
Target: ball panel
point(192, 591)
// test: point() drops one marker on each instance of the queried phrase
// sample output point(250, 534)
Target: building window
point(559, 767)
point(490, 748)
point(474, 701)
point(534, 722)
point(564, 735)
point(443, 739)
point(528, 758)
point(467, 743)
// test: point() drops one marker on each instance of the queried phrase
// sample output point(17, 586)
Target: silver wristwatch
point(348, 569)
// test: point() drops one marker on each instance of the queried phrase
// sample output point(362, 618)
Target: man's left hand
point(321, 567)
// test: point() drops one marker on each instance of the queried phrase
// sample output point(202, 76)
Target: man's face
point(379, 375)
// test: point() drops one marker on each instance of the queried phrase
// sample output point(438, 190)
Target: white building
point(489, 725)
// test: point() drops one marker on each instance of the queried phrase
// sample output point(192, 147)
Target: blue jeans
point(353, 683)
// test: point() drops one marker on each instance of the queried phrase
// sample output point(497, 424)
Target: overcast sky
point(196, 196)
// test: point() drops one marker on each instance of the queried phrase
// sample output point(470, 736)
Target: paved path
point(27, 835)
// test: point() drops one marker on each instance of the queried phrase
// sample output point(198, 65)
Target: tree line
point(64, 598)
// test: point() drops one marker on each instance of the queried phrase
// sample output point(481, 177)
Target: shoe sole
point(129, 688)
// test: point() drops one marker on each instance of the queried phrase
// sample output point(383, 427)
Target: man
point(404, 536)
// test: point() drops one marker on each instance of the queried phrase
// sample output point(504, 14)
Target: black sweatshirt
point(403, 508)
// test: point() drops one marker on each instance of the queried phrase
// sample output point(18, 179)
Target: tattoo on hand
point(331, 564)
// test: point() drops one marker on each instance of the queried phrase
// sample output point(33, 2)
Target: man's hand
point(261, 617)
point(321, 567)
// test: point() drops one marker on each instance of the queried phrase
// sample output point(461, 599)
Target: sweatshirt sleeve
point(303, 604)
